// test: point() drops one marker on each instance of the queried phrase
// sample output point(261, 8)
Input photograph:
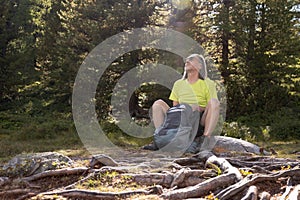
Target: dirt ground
point(112, 181)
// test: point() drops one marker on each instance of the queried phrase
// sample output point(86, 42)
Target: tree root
point(103, 195)
point(251, 180)
point(218, 176)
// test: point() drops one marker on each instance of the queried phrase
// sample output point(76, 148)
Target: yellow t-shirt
point(199, 92)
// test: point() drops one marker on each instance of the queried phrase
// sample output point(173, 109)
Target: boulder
point(228, 144)
point(34, 163)
point(101, 160)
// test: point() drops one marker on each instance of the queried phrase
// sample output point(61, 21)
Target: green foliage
point(237, 130)
point(257, 54)
point(245, 172)
point(285, 124)
point(24, 133)
point(214, 167)
point(43, 43)
point(282, 124)
point(119, 138)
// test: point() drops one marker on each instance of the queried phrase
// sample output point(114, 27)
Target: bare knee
point(159, 102)
point(159, 109)
point(160, 106)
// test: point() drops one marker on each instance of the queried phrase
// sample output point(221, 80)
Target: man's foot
point(151, 147)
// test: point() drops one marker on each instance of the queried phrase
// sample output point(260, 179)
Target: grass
point(70, 145)
point(11, 146)
point(27, 134)
point(286, 149)
point(110, 182)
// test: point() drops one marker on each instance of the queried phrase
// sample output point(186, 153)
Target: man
point(196, 90)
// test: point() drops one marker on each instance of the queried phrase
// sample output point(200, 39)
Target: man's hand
point(201, 109)
point(198, 108)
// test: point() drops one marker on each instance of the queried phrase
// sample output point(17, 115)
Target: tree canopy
point(255, 45)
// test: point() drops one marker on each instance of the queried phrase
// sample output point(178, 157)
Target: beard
point(191, 70)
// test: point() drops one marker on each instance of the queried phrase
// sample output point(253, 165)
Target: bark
point(74, 193)
point(295, 194)
point(251, 180)
point(186, 177)
point(218, 176)
point(201, 189)
point(265, 196)
point(288, 189)
point(251, 194)
point(231, 176)
point(59, 172)
point(15, 192)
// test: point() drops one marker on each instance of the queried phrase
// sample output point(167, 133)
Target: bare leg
point(210, 117)
point(159, 110)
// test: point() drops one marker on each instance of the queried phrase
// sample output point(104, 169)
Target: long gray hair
point(202, 62)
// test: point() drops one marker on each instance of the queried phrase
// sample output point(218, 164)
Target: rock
point(204, 155)
point(101, 160)
point(229, 144)
point(29, 164)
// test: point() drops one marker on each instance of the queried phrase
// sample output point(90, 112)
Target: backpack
point(178, 130)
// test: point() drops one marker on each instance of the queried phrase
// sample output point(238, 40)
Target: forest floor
point(140, 176)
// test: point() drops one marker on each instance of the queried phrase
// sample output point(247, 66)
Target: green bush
point(283, 124)
point(237, 130)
